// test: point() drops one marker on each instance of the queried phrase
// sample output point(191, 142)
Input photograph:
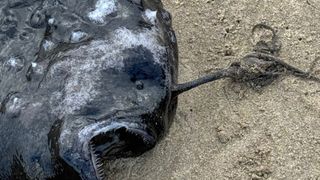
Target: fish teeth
point(97, 162)
point(92, 145)
point(101, 173)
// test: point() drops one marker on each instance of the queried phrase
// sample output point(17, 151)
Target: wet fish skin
point(77, 76)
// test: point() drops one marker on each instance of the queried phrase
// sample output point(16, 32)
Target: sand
point(226, 130)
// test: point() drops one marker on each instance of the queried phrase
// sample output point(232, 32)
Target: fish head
point(109, 108)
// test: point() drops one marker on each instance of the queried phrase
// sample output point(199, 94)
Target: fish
point(84, 82)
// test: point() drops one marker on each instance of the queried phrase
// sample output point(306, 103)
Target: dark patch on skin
point(17, 168)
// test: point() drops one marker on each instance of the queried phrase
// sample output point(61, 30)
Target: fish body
point(82, 82)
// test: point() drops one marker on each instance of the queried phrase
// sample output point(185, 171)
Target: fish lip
point(146, 140)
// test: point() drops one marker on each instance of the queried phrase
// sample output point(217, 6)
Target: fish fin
point(219, 74)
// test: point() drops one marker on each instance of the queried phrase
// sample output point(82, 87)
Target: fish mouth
point(117, 143)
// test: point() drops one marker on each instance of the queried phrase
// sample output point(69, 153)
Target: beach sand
point(226, 130)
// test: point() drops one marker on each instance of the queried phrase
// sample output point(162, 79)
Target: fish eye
point(139, 85)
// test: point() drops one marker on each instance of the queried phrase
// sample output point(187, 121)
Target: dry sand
point(225, 130)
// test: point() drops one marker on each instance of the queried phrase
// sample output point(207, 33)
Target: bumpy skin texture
point(70, 70)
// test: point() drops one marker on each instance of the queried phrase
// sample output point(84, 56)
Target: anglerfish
point(82, 82)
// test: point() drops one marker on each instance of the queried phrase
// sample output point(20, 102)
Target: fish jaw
point(107, 140)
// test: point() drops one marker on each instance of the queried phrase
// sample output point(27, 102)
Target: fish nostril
point(139, 85)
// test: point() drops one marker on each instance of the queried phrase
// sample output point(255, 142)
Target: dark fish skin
point(82, 82)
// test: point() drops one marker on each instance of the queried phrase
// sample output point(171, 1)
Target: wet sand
point(226, 130)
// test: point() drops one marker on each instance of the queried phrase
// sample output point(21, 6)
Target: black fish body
point(82, 82)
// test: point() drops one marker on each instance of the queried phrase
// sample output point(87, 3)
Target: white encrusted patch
point(51, 21)
point(147, 39)
point(36, 68)
point(14, 105)
point(78, 36)
point(79, 88)
point(34, 65)
point(103, 9)
point(85, 64)
point(150, 16)
point(14, 63)
point(48, 45)
point(36, 104)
